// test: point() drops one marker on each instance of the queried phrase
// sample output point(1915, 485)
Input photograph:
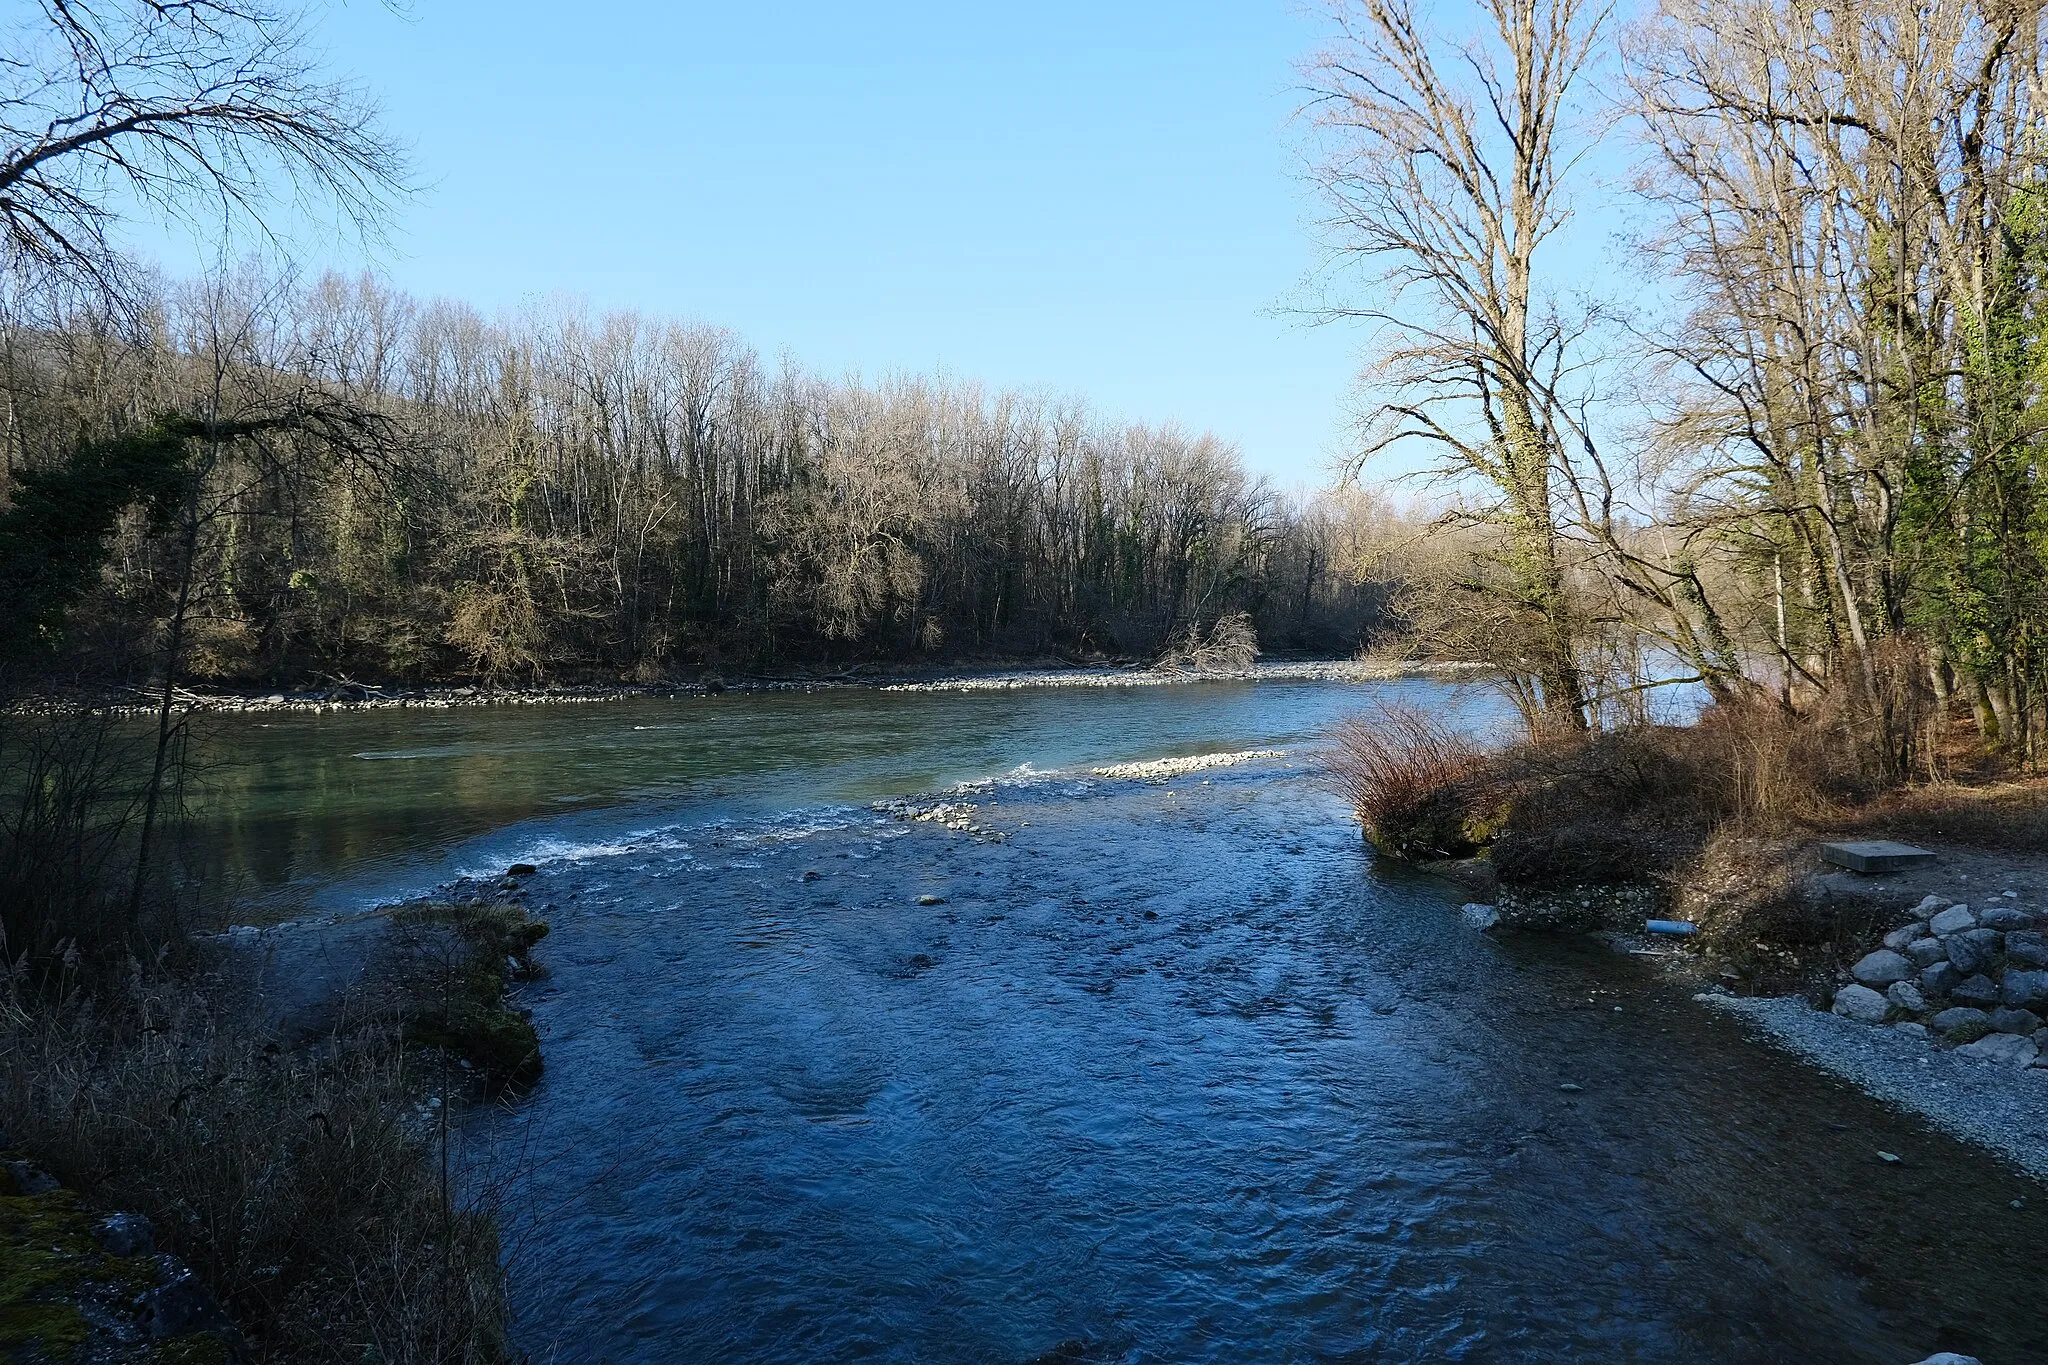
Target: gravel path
point(1999, 1107)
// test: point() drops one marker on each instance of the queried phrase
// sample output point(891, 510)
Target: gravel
point(1999, 1107)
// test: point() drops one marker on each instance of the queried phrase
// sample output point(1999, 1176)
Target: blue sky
point(1093, 198)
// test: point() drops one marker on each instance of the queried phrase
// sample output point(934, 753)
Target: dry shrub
point(1231, 646)
point(72, 785)
point(1631, 805)
point(309, 1188)
point(1422, 790)
point(1748, 894)
point(1636, 803)
point(1782, 770)
point(1614, 807)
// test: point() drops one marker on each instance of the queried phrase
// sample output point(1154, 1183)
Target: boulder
point(1862, 1004)
point(2025, 989)
point(1881, 968)
point(1961, 1022)
point(1936, 979)
point(179, 1306)
point(1975, 990)
point(1925, 952)
point(1949, 1358)
point(1953, 920)
point(22, 1178)
point(127, 1234)
point(2007, 1020)
point(1973, 950)
point(2005, 917)
point(1898, 938)
point(1906, 996)
point(1931, 905)
point(1480, 917)
point(2006, 1049)
point(2027, 945)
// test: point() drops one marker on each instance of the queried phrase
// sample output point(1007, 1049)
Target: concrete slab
point(1875, 855)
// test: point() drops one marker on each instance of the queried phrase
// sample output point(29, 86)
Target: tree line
point(557, 495)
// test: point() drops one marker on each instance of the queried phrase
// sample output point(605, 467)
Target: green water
point(340, 809)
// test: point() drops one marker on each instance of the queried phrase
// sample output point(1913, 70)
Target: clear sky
point(1098, 198)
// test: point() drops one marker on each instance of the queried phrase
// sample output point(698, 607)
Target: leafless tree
point(1445, 166)
point(206, 110)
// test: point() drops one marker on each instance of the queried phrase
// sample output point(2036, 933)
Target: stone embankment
point(1974, 977)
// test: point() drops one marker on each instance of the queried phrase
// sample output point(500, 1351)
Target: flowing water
point(1126, 1070)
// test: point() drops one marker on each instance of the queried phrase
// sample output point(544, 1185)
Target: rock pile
point(1976, 978)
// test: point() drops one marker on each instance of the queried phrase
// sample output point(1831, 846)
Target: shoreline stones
point(2004, 1049)
point(2024, 990)
point(1976, 980)
point(1953, 920)
point(1899, 939)
point(1881, 968)
point(1862, 1004)
point(1480, 917)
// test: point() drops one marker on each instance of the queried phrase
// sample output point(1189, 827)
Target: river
point(1126, 1070)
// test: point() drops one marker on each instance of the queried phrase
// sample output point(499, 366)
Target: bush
point(449, 968)
point(1422, 790)
point(309, 1189)
point(1613, 807)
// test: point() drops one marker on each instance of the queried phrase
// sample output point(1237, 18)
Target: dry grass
point(1999, 815)
point(1422, 790)
point(1631, 804)
point(311, 1189)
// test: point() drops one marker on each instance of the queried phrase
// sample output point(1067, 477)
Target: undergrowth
point(313, 1189)
point(1663, 809)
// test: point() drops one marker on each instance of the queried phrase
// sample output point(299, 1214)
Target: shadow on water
point(1173, 1074)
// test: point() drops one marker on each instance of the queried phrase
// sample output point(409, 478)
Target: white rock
point(1930, 905)
point(1862, 1004)
point(2006, 1049)
point(1479, 916)
point(1953, 920)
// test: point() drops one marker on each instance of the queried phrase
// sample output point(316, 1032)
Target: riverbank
point(250, 1158)
point(994, 677)
point(1934, 1008)
point(1918, 986)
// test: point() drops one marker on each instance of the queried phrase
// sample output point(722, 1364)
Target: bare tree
point(1443, 164)
point(209, 110)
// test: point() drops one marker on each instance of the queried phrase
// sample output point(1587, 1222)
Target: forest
point(413, 492)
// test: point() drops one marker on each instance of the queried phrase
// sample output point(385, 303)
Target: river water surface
point(1128, 1069)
